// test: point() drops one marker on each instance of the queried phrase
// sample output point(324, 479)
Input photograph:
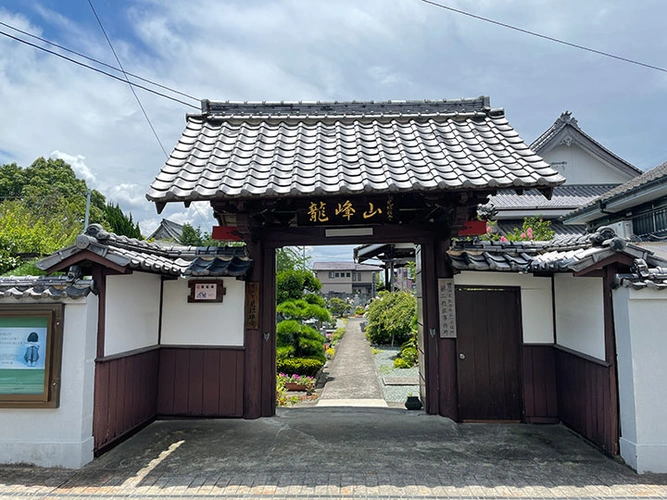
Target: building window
point(337, 275)
point(354, 276)
point(331, 274)
point(358, 276)
point(347, 275)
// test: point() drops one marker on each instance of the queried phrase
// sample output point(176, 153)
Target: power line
point(545, 37)
point(92, 59)
point(93, 68)
point(143, 110)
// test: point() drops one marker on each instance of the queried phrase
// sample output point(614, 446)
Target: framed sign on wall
point(206, 291)
point(30, 355)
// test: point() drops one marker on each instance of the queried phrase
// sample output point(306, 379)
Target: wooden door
point(488, 342)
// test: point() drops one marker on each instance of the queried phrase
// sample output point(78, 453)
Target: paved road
point(329, 453)
point(353, 379)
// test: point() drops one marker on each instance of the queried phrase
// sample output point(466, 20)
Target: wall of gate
point(639, 317)
point(62, 436)
point(538, 368)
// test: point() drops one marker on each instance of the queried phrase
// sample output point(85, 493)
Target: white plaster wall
point(132, 312)
point(580, 314)
point(59, 437)
point(213, 324)
point(582, 168)
point(642, 348)
point(536, 310)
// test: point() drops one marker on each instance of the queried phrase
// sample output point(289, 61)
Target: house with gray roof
point(590, 170)
point(167, 230)
point(348, 279)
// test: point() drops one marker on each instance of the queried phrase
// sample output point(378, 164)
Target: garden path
point(353, 379)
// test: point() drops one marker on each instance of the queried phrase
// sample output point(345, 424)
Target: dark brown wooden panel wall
point(585, 399)
point(200, 382)
point(540, 391)
point(125, 395)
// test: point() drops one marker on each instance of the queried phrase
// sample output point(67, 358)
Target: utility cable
point(92, 59)
point(93, 68)
point(143, 110)
point(545, 37)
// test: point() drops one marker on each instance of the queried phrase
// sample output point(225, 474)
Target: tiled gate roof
point(270, 150)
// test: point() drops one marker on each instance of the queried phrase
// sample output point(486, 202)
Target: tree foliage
point(298, 307)
point(42, 209)
point(391, 317)
point(295, 284)
point(339, 307)
point(290, 259)
point(533, 229)
point(121, 223)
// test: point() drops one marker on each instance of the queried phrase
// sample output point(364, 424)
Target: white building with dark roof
point(590, 170)
point(347, 278)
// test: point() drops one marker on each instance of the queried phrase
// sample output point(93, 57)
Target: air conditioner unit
point(623, 229)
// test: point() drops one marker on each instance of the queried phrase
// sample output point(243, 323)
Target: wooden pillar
point(610, 356)
point(268, 308)
point(447, 356)
point(254, 342)
point(430, 335)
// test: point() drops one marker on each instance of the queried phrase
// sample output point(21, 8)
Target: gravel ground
point(384, 361)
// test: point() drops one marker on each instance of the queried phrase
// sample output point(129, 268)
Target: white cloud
point(78, 165)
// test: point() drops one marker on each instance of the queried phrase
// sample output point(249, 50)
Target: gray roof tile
point(641, 276)
point(154, 258)
point(55, 288)
point(653, 177)
point(569, 196)
point(565, 253)
point(246, 150)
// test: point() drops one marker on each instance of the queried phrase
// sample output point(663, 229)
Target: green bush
point(284, 351)
point(302, 366)
point(401, 363)
point(390, 318)
point(410, 355)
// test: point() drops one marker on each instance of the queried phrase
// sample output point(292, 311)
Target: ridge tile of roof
point(251, 150)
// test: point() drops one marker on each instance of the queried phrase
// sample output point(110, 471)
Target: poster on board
point(23, 348)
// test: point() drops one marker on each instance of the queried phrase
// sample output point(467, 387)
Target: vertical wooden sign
point(447, 307)
point(252, 305)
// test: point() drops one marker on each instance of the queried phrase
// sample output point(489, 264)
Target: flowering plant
point(307, 382)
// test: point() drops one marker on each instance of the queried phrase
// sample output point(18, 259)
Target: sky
point(316, 50)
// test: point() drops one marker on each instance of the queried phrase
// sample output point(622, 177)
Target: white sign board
point(447, 307)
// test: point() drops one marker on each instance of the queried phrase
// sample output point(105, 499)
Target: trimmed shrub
point(302, 366)
point(410, 355)
point(390, 318)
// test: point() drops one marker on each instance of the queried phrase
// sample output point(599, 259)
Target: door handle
point(462, 356)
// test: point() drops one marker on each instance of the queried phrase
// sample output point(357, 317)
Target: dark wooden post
point(254, 342)
point(430, 334)
point(610, 356)
point(447, 357)
point(268, 308)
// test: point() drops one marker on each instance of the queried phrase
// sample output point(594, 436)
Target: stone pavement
point(331, 453)
point(352, 380)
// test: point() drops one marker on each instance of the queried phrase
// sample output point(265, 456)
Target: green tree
point(290, 259)
point(338, 307)
point(191, 236)
point(43, 208)
point(391, 317)
point(120, 223)
point(296, 284)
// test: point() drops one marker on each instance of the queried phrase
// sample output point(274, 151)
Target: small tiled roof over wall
point(153, 258)
point(562, 254)
point(45, 288)
point(234, 151)
point(642, 276)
